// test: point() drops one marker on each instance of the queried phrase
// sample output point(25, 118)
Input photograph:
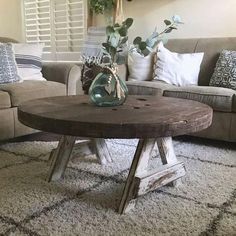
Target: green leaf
point(109, 30)
point(167, 22)
point(142, 45)
point(145, 52)
point(128, 22)
point(123, 31)
point(112, 52)
point(106, 46)
point(177, 19)
point(114, 39)
point(168, 30)
point(137, 40)
point(124, 40)
point(116, 25)
point(105, 52)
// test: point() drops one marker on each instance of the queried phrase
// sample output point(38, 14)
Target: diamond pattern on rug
point(9, 159)
point(4, 226)
point(20, 233)
point(121, 154)
point(207, 183)
point(224, 156)
point(84, 202)
point(27, 191)
point(93, 214)
point(226, 226)
point(232, 207)
point(32, 149)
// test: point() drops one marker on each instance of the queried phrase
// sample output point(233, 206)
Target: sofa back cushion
point(7, 40)
point(29, 90)
point(211, 48)
point(182, 45)
point(5, 101)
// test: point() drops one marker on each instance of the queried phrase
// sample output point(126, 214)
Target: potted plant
point(103, 7)
point(108, 89)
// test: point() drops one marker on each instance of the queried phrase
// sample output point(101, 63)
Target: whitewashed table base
point(140, 180)
point(60, 156)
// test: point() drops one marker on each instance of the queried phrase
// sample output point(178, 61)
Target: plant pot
point(107, 89)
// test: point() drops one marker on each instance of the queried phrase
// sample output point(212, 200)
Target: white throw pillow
point(175, 68)
point(140, 67)
point(29, 60)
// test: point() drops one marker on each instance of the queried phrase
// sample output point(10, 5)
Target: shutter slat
point(59, 24)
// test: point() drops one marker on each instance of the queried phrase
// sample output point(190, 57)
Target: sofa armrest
point(65, 73)
point(123, 71)
point(143, 88)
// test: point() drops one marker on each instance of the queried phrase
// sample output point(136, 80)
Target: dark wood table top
point(138, 117)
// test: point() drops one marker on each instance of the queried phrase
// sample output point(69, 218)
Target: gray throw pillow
point(8, 67)
point(225, 71)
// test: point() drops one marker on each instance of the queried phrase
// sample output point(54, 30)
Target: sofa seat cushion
point(28, 90)
point(220, 99)
point(5, 101)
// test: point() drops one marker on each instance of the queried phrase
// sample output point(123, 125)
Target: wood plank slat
point(50, 159)
point(166, 150)
point(145, 117)
point(145, 183)
point(61, 157)
point(99, 147)
point(141, 157)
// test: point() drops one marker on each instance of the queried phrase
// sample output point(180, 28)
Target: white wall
point(10, 19)
point(203, 18)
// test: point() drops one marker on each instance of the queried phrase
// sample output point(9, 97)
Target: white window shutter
point(59, 24)
point(69, 28)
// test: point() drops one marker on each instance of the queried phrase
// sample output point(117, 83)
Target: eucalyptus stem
point(144, 47)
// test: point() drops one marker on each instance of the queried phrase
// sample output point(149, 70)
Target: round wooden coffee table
point(151, 119)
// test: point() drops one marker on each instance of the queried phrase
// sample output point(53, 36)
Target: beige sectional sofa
point(222, 100)
point(61, 79)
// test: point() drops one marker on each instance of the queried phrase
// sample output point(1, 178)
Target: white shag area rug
point(85, 201)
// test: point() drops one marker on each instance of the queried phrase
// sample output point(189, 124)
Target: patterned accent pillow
point(88, 74)
point(225, 71)
point(29, 60)
point(8, 67)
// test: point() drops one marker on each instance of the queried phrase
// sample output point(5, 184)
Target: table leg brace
point(141, 181)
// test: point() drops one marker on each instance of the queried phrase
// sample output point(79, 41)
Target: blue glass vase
point(107, 89)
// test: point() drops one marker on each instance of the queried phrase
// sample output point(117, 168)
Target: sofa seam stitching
point(197, 93)
point(67, 80)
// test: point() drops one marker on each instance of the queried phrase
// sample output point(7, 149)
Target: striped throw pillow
point(29, 60)
point(8, 67)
